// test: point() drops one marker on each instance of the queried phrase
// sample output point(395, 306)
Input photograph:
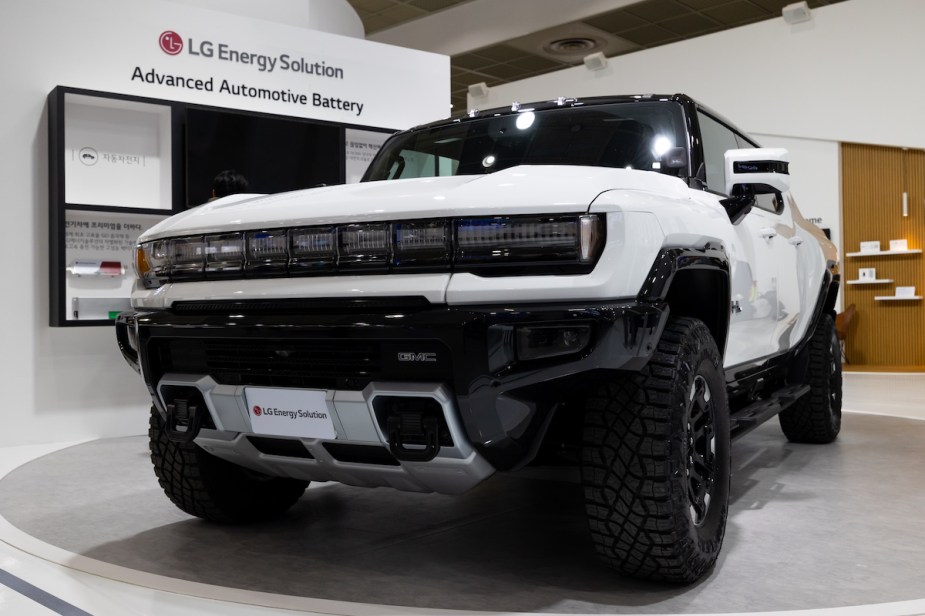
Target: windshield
point(635, 135)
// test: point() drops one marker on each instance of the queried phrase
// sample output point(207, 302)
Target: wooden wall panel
point(884, 334)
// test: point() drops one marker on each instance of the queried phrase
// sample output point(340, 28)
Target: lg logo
point(258, 411)
point(171, 42)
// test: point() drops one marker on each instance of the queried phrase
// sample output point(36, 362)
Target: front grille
point(315, 363)
point(273, 362)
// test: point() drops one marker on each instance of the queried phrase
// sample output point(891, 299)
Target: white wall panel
point(71, 383)
point(850, 74)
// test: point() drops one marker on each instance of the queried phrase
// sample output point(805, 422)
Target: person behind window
point(228, 182)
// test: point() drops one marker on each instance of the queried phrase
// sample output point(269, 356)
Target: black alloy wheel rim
point(700, 459)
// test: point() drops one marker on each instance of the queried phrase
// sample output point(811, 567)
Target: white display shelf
point(895, 298)
point(874, 281)
point(117, 152)
point(882, 253)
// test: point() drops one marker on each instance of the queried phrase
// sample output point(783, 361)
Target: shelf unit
point(882, 281)
point(884, 253)
point(115, 164)
point(888, 330)
point(119, 164)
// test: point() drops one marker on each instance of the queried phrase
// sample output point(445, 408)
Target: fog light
point(541, 341)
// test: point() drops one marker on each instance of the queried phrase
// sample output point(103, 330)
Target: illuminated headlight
point(486, 246)
point(422, 244)
point(507, 240)
point(366, 246)
point(267, 253)
point(224, 255)
point(187, 258)
point(312, 250)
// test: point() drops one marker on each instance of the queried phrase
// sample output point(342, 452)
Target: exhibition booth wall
point(847, 75)
point(72, 383)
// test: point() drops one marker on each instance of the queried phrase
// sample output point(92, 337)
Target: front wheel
point(655, 461)
point(208, 487)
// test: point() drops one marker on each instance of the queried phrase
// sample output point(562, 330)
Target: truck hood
point(517, 190)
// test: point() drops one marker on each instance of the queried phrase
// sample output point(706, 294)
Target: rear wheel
point(816, 417)
point(213, 489)
point(655, 461)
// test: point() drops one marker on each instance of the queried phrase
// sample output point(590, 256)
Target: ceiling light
point(478, 90)
point(796, 13)
point(595, 61)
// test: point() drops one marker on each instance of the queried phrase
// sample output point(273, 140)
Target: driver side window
point(717, 138)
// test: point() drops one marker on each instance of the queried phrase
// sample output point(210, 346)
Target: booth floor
point(809, 527)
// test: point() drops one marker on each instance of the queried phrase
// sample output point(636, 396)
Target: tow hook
point(182, 414)
point(407, 428)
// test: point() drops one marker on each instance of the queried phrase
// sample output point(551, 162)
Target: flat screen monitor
point(275, 154)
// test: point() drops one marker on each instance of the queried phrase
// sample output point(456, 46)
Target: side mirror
point(757, 171)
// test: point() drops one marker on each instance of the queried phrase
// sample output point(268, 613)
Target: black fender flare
point(693, 282)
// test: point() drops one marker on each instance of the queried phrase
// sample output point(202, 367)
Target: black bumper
point(505, 404)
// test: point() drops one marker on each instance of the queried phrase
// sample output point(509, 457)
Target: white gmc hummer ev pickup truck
point(624, 279)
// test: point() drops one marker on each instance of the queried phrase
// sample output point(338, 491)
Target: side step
point(750, 417)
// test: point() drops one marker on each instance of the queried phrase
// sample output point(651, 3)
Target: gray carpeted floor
point(810, 527)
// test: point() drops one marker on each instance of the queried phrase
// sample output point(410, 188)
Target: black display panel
point(274, 154)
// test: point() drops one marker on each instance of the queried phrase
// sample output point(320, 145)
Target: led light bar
point(312, 250)
point(503, 240)
point(224, 255)
point(188, 258)
point(422, 244)
point(366, 246)
point(487, 245)
point(267, 252)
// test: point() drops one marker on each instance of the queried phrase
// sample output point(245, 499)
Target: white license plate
point(289, 412)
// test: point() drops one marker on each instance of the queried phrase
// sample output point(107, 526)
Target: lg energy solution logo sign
point(314, 70)
point(290, 412)
point(171, 42)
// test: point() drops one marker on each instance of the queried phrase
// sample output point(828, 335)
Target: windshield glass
point(635, 135)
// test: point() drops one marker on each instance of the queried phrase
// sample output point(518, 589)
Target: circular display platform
point(809, 527)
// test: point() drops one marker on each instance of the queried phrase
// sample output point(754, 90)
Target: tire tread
point(637, 517)
point(208, 487)
point(812, 418)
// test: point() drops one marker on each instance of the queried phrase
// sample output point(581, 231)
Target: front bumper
point(502, 406)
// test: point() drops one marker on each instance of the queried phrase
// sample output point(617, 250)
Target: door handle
point(767, 233)
point(796, 240)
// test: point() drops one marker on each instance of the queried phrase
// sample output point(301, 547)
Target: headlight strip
point(488, 245)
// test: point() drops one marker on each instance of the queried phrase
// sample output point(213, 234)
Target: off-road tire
point(208, 487)
point(655, 461)
point(816, 417)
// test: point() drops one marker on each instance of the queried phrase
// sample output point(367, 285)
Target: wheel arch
point(694, 282)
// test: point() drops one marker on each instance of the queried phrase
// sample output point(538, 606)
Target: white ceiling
point(499, 41)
